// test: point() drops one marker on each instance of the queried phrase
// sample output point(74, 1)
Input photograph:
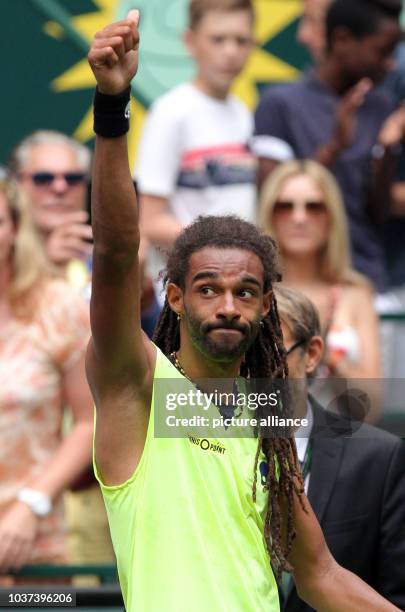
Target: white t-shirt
point(194, 152)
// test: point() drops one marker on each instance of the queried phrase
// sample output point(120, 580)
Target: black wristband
point(111, 113)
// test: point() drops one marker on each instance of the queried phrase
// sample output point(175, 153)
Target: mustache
point(244, 329)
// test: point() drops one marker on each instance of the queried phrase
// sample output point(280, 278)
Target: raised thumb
point(134, 15)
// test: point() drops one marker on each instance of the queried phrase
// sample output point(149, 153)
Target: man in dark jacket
point(354, 475)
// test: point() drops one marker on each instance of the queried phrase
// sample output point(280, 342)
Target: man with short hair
point(355, 483)
point(193, 525)
point(54, 171)
point(311, 33)
point(336, 116)
point(193, 157)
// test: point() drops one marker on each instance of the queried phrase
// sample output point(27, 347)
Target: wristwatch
point(379, 150)
point(39, 503)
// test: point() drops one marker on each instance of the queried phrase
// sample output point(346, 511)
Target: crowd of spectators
point(318, 166)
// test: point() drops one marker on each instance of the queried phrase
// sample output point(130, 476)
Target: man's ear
point(188, 40)
point(314, 354)
point(175, 298)
point(267, 300)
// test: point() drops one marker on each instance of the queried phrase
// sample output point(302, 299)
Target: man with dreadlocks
point(189, 524)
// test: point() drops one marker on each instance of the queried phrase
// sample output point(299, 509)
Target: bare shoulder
point(356, 297)
point(123, 403)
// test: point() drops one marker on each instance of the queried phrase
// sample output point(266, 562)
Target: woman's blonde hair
point(29, 266)
point(335, 259)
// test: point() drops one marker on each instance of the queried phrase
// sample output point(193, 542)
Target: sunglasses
point(312, 207)
point(44, 179)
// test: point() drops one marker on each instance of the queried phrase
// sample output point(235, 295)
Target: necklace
point(175, 360)
point(224, 410)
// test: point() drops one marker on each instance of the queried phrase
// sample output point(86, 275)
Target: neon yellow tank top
point(186, 532)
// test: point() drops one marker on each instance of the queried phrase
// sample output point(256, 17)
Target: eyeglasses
point(45, 179)
point(312, 207)
point(294, 346)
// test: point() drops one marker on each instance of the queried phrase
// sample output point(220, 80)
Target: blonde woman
point(43, 335)
point(301, 207)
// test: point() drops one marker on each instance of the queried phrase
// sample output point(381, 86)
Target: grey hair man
point(53, 170)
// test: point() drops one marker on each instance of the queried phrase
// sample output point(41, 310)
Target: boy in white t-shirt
point(193, 157)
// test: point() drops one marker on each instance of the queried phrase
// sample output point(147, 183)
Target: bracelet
point(111, 113)
point(379, 150)
point(39, 503)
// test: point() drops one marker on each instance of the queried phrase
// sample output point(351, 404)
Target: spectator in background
point(301, 207)
point(44, 333)
point(394, 230)
point(193, 159)
point(311, 31)
point(336, 116)
point(54, 171)
point(311, 34)
point(355, 483)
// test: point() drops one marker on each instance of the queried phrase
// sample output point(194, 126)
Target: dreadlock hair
point(265, 359)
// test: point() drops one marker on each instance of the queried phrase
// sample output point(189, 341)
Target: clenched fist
point(113, 56)
point(346, 112)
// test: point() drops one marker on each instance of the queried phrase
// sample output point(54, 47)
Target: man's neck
point(209, 89)
point(301, 403)
point(301, 270)
point(330, 74)
point(198, 366)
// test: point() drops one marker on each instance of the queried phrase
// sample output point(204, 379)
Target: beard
point(223, 348)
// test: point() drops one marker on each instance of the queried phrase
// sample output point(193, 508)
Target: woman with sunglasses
point(301, 206)
point(44, 330)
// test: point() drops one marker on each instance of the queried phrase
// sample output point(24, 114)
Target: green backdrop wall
point(46, 82)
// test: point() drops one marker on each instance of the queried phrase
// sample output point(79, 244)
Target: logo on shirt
point(220, 166)
point(208, 445)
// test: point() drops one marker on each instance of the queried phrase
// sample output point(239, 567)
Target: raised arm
point(120, 358)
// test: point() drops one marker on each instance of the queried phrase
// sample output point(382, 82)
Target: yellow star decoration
point(81, 77)
point(272, 16)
